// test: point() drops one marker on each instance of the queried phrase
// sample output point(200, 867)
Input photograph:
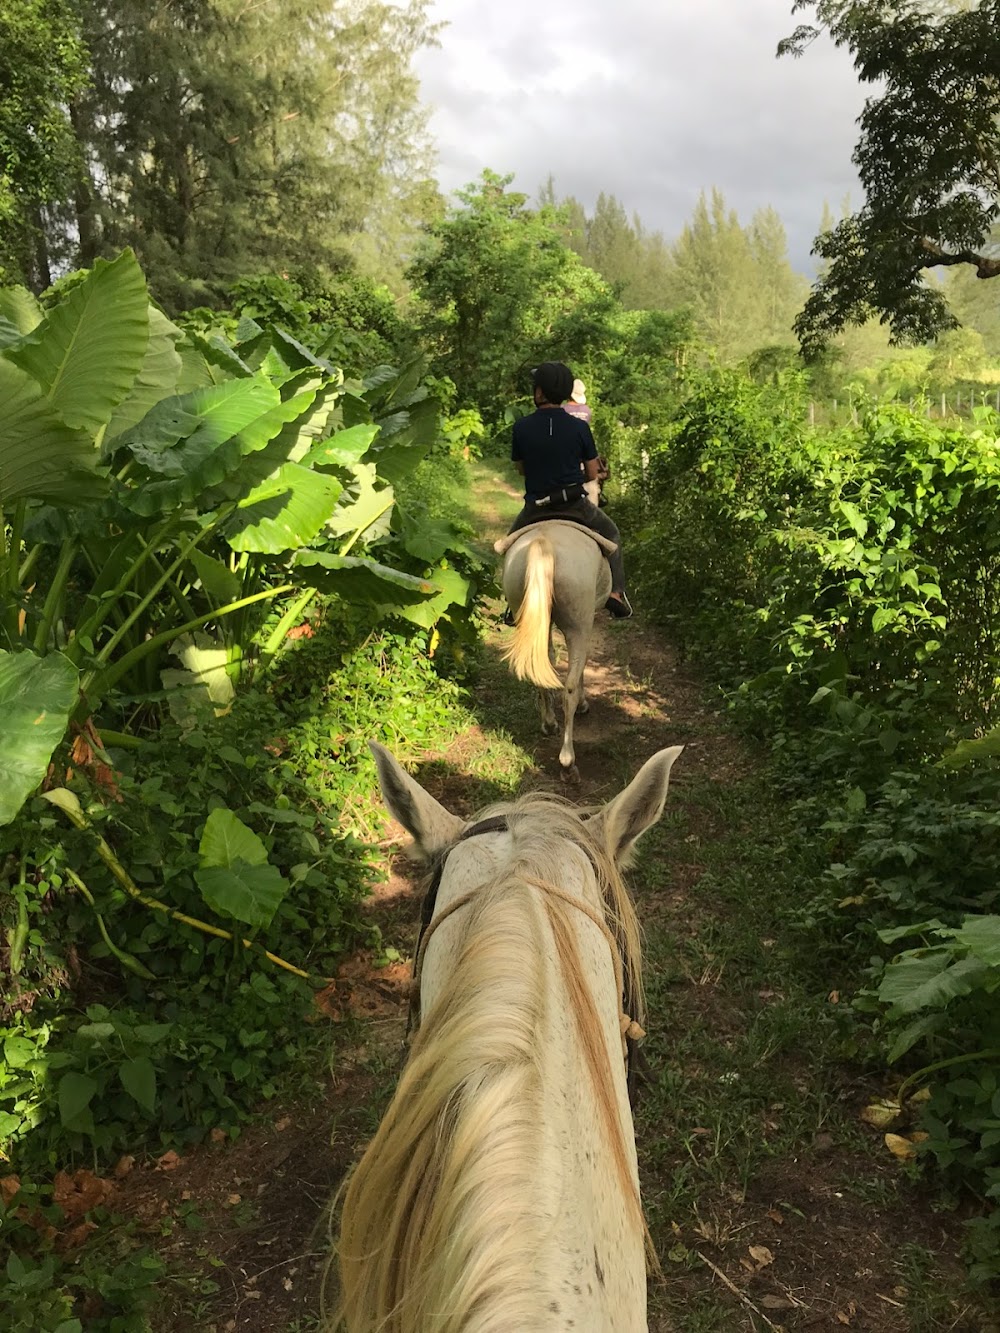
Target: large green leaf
point(208, 361)
point(364, 582)
point(362, 506)
point(19, 308)
point(429, 539)
point(929, 980)
point(296, 355)
point(40, 457)
point(9, 334)
point(234, 877)
point(452, 590)
point(283, 513)
point(189, 443)
point(220, 583)
point(138, 1078)
point(343, 449)
point(304, 417)
point(981, 936)
point(225, 840)
point(405, 438)
point(201, 689)
point(37, 695)
point(76, 1092)
point(158, 377)
point(88, 350)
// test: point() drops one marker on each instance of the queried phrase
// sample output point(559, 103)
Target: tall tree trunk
point(83, 193)
point(43, 273)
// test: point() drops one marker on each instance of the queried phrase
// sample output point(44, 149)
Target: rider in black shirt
point(548, 448)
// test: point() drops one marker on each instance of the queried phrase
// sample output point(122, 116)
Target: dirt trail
point(797, 1244)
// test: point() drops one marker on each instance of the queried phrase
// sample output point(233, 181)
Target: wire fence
point(958, 403)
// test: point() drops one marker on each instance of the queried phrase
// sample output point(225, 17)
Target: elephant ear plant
point(161, 491)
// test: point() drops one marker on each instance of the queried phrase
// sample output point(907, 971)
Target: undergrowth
point(842, 586)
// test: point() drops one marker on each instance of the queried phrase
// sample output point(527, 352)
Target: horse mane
point(456, 1157)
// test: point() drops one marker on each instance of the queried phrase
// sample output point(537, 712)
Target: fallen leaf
point(73, 1239)
point(77, 1194)
point(776, 1217)
point(282, 1124)
point(123, 1166)
point(761, 1255)
point(924, 1095)
point(843, 1318)
point(287, 1283)
point(233, 1200)
point(218, 1136)
point(900, 1147)
point(881, 1114)
point(776, 1303)
point(168, 1162)
point(834, 997)
point(9, 1186)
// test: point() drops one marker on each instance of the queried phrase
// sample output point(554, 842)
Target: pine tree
point(737, 282)
point(223, 135)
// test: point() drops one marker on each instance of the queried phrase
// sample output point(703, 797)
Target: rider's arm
point(519, 465)
point(590, 469)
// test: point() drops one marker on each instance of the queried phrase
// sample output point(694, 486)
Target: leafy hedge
point(846, 587)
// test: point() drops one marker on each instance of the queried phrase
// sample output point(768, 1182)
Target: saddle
point(503, 545)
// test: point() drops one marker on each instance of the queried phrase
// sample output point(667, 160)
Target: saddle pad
point(503, 545)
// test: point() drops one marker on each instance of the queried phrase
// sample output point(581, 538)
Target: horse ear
point(639, 806)
point(426, 820)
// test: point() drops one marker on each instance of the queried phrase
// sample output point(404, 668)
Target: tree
point(221, 135)
point(612, 243)
point(42, 67)
point(499, 290)
point(737, 282)
point(928, 157)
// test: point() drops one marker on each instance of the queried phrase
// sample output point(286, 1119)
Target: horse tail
point(528, 651)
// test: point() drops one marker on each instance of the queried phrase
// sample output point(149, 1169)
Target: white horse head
point(501, 1190)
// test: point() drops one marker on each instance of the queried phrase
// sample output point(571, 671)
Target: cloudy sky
point(649, 100)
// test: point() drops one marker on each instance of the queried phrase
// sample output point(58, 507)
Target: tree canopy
point(214, 137)
point(499, 289)
point(42, 67)
point(928, 157)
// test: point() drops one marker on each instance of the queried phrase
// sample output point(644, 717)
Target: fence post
point(812, 410)
point(944, 406)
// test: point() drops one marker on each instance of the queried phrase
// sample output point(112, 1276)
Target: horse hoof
point(549, 728)
point(570, 775)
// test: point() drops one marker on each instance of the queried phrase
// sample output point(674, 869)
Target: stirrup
point(620, 609)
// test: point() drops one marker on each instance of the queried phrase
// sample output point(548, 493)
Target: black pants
point(589, 516)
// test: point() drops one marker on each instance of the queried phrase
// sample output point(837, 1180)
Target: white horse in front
point(555, 572)
point(501, 1191)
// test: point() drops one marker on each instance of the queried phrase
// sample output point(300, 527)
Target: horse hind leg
point(573, 698)
point(547, 698)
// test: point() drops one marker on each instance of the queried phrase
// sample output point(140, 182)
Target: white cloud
point(651, 104)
